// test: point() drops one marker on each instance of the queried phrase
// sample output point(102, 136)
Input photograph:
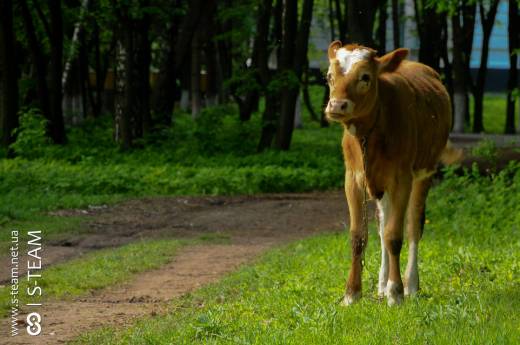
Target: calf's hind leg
point(399, 195)
point(415, 225)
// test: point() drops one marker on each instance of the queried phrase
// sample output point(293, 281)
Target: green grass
point(470, 285)
point(494, 113)
point(97, 270)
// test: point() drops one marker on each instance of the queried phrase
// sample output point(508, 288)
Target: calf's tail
point(451, 155)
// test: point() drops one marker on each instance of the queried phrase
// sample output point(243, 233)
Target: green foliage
point(214, 155)
point(486, 149)
point(242, 82)
point(31, 138)
point(218, 130)
point(470, 283)
point(283, 80)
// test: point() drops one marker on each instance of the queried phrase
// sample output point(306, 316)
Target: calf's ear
point(333, 48)
point(392, 60)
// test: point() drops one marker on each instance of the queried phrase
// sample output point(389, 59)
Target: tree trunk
point(97, 101)
point(39, 62)
point(249, 102)
point(307, 97)
point(163, 92)
point(289, 92)
point(122, 121)
point(57, 126)
point(361, 14)
point(8, 75)
point(83, 74)
point(210, 52)
point(448, 71)
point(459, 78)
point(165, 86)
point(462, 22)
point(381, 31)
point(224, 54)
point(181, 41)
point(75, 72)
point(142, 67)
point(271, 101)
point(132, 77)
point(469, 13)
point(294, 55)
point(331, 21)
point(195, 77)
point(487, 19)
point(395, 24)
point(341, 19)
point(272, 106)
point(512, 81)
point(75, 41)
point(429, 27)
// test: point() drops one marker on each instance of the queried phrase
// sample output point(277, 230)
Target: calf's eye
point(365, 77)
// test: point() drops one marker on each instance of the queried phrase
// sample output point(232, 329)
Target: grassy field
point(494, 113)
point(470, 285)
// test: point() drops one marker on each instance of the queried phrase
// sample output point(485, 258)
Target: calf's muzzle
point(339, 107)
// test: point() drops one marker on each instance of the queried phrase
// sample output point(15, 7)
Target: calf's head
point(353, 79)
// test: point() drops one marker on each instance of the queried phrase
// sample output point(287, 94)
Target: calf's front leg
point(358, 236)
point(383, 209)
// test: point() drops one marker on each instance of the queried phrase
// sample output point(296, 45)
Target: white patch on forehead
point(348, 58)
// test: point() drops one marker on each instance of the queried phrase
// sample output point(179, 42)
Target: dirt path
point(147, 294)
point(253, 225)
point(239, 217)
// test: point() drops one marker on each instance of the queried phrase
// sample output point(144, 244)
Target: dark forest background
point(139, 60)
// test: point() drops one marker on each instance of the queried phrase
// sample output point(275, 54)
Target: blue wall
point(498, 44)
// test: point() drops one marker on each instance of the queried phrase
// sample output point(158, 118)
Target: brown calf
point(396, 116)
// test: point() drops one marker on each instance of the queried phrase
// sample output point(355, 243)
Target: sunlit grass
point(470, 285)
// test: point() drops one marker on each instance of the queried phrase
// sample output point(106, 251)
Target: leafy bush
point(487, 149)
point(218, 130)
point(31, 139)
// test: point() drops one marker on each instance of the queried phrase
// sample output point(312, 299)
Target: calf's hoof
point(410, 290)
point(350, 299)
point(394, 293)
